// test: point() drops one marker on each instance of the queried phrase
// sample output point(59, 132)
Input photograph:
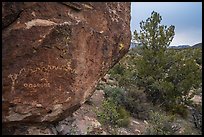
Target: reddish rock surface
point(55, 53)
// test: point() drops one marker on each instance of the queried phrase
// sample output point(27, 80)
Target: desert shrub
point(108, 113)
point(124, 117)
point(117, 70)
point(160, 124)
point(132, 99)
point(116, 93)
point(126, 76)
point(179, 109)
point(112, 114)
point(136, 102)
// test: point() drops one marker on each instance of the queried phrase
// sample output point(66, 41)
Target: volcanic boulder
point(55, 53)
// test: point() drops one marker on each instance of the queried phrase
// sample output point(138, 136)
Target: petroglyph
point(48, 68)
point(13, 79)
point(44, 79)
point(30, 85)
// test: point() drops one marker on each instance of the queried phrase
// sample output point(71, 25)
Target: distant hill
point(199, 45)
point(179, 47)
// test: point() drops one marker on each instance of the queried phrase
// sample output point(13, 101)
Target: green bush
point(179, 109)
point(116, 93)
point(133, 99)
point(124, 117)
point(160, 124)
point(108, 114)
point(136, 102)
point(111, 114)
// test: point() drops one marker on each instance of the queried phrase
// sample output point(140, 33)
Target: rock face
point(55, 53)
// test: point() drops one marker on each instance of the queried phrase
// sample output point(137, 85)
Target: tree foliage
point(167, 75)
point(170, 77)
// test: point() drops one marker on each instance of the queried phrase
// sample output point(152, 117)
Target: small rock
point(64, 129)
point(145, 122)
point(122, 131)
point(136, 130)
point(135, 122)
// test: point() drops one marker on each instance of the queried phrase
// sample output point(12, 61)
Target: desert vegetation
point(156, 83)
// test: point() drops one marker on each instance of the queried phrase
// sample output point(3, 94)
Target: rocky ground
point(84, 121)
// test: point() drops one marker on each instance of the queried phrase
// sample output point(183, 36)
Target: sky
point(185, 16)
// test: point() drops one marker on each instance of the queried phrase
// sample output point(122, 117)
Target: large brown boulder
point(55, 53)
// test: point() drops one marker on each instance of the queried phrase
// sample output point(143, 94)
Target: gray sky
point(185, 16)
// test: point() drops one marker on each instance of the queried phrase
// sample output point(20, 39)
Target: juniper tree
point(168, 76)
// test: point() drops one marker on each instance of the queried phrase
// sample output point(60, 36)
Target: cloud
point(189, 37)
point(185, 16)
